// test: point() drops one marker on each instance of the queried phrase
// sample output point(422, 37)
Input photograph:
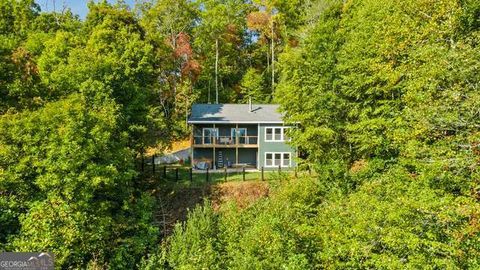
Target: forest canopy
point(384, 96)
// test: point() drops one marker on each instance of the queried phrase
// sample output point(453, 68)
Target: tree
point(219, 37)
point(70, 182)
point(117, 54)
point(17, 16)
point(252, 86)
point(169, 25)
point(393, 220)
point(75, 114)
point(19, 80)
point(264, 22)
point(313, 100)
point(276, 21)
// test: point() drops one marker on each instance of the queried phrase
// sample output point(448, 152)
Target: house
point(240, 135)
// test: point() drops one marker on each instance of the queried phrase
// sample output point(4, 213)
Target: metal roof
point(235, 113)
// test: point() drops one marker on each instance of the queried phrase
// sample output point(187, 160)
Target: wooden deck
point(225, 145)
point(225, 142)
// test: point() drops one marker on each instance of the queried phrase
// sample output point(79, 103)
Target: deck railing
point(225, 140)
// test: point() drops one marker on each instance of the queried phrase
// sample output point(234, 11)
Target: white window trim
point(282, 134)
point(267, 140)
point(281, 160)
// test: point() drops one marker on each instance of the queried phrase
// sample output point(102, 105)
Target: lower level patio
point(219, 158)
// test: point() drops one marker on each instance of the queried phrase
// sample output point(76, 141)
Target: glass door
point(209, 135)
point(239, 135)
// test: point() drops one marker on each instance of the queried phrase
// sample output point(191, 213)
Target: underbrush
point(394, 220)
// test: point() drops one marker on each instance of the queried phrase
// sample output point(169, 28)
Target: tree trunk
point(273, 62)
point(268, 60)
point(216, 71)
point(173, 36)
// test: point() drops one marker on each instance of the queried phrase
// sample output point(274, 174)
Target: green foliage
point(225, 22)
point(394, 221)
point(168, 25)
point(253, 87)
point(392, 87)
point(76, 111)
point(385, 96)
point(68, 165)
point(193, 245)
point(17, 16)
point(311, 99)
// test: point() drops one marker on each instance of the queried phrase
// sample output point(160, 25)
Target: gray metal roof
point(235, 113)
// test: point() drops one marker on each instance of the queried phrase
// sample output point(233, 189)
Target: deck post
point(236, 132)
point(279, 169)
point(225, 173)
point(236, 155)
point(263, 178)
point(236, 145)
point(243, 172)
point(192, 145)
point(214, 142)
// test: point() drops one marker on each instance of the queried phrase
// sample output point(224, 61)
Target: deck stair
point(220, 159)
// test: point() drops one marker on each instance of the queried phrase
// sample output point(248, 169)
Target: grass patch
point(197, 179)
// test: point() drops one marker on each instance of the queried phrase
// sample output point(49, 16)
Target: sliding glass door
point(209, 135)
point(239, 135)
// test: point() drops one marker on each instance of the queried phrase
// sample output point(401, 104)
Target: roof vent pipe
point(250, 109)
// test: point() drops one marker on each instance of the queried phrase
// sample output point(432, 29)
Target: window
point(240, 134)
point(277, 159)
point(268, 160)
point(276, 134)
point(268, 134)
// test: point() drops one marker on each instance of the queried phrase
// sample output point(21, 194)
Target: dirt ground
point(243, 193)
point(175, 204)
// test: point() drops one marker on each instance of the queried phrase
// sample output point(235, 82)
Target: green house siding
point(272, 147)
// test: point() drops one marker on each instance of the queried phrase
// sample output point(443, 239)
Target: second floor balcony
point(225, 141)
